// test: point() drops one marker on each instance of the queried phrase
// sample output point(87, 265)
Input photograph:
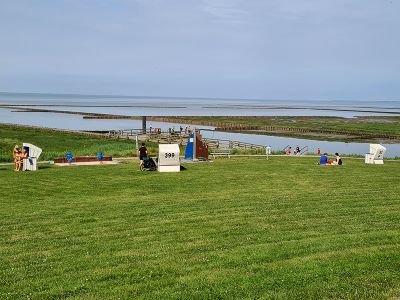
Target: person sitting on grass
point(297, 150)
point(338, 160)
point(288, 151)
point(142, 154)
point(323, 159)
point(24, 155)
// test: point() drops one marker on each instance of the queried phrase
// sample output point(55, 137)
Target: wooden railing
point(227, 144)
point(180, 138)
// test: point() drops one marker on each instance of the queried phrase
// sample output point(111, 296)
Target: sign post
point(137, 145)
point(268, 151)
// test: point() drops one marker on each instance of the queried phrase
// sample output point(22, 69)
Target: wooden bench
point(221, 152)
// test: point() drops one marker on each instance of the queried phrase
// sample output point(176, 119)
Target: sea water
point(170, 106)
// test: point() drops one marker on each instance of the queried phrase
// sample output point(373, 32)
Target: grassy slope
point(391, 125)
point(56, 144)
point(283, 228)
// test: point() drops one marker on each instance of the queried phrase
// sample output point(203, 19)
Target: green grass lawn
point(57, 143)
point(285, 228)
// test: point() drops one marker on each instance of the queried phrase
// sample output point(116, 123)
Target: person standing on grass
point(18, 156)
point(289, 151)
point(142, 154)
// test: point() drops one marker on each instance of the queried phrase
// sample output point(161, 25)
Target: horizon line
point(182, 97)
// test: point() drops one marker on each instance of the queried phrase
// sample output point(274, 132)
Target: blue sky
point(281, 49)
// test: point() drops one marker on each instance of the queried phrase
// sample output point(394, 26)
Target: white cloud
point(226, 10)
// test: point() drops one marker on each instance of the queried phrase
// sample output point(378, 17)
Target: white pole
point(137, 145)
point(194, 143)
point(268, 151)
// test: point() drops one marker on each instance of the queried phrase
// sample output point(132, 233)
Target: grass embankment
point(381, 124)
point(56, 143)
point(360, 128)
point(253, 228)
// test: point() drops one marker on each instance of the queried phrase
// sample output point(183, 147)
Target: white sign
point(168, 158)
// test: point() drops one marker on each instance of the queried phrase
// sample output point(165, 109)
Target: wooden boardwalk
point(180, 138)
point(156, 137)
point(228, 144)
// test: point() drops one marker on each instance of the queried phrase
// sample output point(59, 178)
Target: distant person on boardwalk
point(142, 154)
point(289, 151)
point(318, 151)
point(338, 160)
point(323, 159)
point(180, 129)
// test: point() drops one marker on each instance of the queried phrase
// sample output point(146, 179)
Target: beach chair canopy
point(34, 151)
point(377, 151)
